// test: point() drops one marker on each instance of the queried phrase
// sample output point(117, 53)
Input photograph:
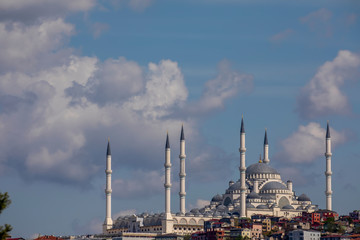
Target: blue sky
point(73, 74)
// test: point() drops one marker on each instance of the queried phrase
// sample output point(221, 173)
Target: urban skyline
point(73, 74)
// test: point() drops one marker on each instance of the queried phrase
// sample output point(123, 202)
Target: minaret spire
point(266, 149)
point(328, 173)
point(242, 169)
point(108, 223)
point(167, 222)
point(182, 173)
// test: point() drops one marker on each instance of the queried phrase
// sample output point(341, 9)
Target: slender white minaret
point(167, 222)
point(182, 173)
point(242, 169)
point(108, 223)
point(266, 149)
point(328, 172)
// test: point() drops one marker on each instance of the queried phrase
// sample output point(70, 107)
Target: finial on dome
point(108, 152)
point(242, 130)
point(265, 138)
point(327, 130)
point(260, 161)
point(167, 140)
point(182, 137)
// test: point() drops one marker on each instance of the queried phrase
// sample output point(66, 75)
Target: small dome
point(236, 186)
point(273, 186)
point(253, 195)
point(221, 208)
point(288, 207)
point(262, 207)
point(195, 210)
point(217, 198)
point(208, 214)
point(217, 214)
point(299, 208)
point(249, 205)
point(303, 197)
point(260, 168)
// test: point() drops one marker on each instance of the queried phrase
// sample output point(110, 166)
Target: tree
point(4, 203)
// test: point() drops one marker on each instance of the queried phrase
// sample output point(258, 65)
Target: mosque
point(259, 190)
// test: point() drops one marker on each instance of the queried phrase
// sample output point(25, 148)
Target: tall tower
point(167, 222)
point(182, 173)
point(266, 149)
point(242, 169)
point(328, 172)
point(108, 223)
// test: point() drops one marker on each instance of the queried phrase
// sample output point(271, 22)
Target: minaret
point(266, 149)
point(167, 222)
point(242, 169)
point(328, 172)
point(182, 173)
point(108, 223)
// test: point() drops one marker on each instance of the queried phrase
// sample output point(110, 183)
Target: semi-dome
point(236, 186)
point(249, 205)
point(257, 168)
point(288, 207)
point(262, 207)
point(303, 197)
point(253, 195)
point(217, 198)
point(273, 186)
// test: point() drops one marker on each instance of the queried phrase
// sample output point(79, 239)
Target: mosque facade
point(259, 190)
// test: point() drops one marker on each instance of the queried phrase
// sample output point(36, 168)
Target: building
point(259, 191)
point(301, 234)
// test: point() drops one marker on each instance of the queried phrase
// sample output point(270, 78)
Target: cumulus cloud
point(59, 108)
point(279, 37)
point(227, 84)
point(26, 48)
point(308, 143)
point(200, 203)
point(322, 95)
point(28, 11)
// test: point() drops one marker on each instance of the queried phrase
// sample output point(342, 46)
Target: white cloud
point(319, 21)
point(227, 84)
point(282, 35)
point(200, 203)
point(322, 95)
point(308, 143)
point(140, 5)
point(165, 89)
point(37, 51)
point(59, 108)
point(31, 10)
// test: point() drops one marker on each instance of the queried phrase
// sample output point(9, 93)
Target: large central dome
point(260, 168)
